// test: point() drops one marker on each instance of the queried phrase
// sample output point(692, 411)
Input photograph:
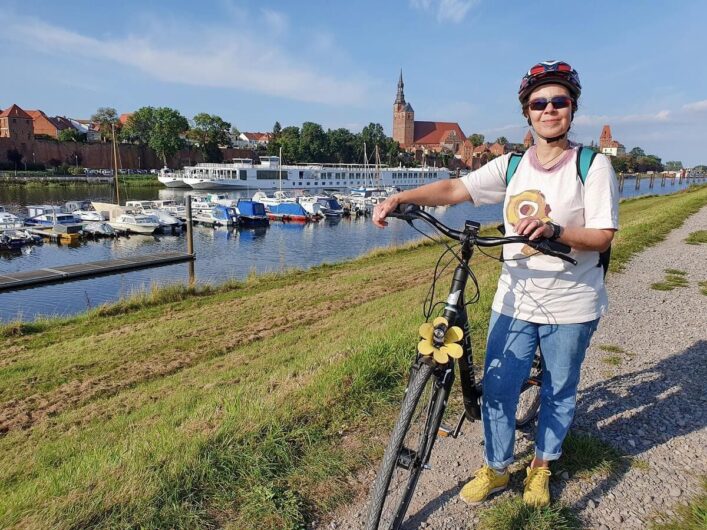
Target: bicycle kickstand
point(446, 432)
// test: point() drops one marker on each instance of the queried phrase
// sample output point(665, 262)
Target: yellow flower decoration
point(450, 348)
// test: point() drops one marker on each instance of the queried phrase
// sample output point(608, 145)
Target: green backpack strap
point(513, 162)
point(585, 157)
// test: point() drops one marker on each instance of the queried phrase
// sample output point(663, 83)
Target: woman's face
point(551, 121)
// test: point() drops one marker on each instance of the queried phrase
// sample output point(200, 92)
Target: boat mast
point(115, 167)
point(279, 165)
point(365, 164)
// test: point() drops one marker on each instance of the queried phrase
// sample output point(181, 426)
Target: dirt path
point(643, 390)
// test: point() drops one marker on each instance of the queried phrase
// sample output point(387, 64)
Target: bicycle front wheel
point(408, 450)
point(529, 399)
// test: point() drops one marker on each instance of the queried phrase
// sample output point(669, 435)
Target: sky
point(642, 63)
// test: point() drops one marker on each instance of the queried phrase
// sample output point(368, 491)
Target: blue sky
point(643, 64)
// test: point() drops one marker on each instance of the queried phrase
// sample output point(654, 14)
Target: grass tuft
point(611, 348)
point(690, 516)
point(673, 278)
point(585, 456)
point(514, 514)
point(703, 287)
point(613, 360)
point(695, 238)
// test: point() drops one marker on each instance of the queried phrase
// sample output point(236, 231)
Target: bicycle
point(446, 340)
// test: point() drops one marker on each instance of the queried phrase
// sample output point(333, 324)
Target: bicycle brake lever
point(553, 248)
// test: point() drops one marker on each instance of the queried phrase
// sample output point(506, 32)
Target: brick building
point(16, 124)
point(608, 145)
point(423, 136)
point(46, 126)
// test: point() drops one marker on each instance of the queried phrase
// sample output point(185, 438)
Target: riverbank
point(51, 180)
point(247, 405)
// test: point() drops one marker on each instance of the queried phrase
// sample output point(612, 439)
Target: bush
point(76, 170)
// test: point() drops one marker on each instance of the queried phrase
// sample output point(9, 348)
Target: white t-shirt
point(539, 288)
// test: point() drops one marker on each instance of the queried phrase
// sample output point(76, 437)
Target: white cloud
point(225, 57)
point(659, 117)
point(446, 10)
point(697, 105)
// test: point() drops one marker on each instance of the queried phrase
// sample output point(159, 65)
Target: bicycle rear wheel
point(408, 450)
point(529, 399)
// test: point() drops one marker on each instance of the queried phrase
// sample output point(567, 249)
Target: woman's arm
point(443, 192)
point(576, 237)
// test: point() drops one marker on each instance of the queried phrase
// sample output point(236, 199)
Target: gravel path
point(652, 406)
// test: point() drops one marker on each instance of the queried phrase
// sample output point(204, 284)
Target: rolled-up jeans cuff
point(499, 465)
point(542, 455)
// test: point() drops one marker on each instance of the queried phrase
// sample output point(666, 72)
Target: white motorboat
point(9, 221)
point(171, 179)
point(171, 207)
point(165, 219)
point(135, 223)
point(82, 211)
point(100, 229)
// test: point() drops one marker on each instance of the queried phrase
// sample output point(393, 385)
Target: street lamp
point(139, 162)
point(76, 159)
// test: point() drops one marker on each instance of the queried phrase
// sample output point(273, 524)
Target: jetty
point(64, 273)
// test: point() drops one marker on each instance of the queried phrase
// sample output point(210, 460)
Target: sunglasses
point(558, 102)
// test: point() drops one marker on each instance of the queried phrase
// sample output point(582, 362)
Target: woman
point(540, 299)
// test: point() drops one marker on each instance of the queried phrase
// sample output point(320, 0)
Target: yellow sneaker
point(537, 487)
point(485, 482)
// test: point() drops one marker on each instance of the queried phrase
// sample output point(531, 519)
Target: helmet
point(548, 72)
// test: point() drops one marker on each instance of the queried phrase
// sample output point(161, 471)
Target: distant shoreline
point(74, 180)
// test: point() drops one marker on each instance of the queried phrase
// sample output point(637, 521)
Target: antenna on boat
point(279, 165)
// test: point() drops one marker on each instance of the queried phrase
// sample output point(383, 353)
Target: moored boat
point(135, 223)
point(251, 213)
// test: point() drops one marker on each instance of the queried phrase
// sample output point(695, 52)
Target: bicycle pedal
point(444, 431)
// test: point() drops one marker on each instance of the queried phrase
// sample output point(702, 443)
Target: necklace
point(551, 160)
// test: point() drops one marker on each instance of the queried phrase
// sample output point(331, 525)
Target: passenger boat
point(269, 174)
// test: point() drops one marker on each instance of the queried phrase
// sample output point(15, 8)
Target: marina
point(223, 252)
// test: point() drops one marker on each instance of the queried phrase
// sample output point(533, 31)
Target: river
point(221, 253)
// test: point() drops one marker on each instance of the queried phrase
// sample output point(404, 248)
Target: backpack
point(585, 157)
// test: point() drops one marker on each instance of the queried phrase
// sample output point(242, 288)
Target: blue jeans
point(509, 357)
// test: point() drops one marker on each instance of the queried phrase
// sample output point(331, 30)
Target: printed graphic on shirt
point(525, 204)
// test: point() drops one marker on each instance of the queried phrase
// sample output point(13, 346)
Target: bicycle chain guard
point(440, 341)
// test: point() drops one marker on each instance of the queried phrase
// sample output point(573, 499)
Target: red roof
point(435, 132)
point(123, 118)
point(15, 112)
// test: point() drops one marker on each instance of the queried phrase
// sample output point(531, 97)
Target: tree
point(71, 135)
point(313, 146)
point(139, 126)
point(14, 156)
point(673, 165)
point(276, 129)
point(501, 140)
point(342, 145)
point(636, 152)
point(209, 132)
point(106, 117)
point(288, 140)
point(165, 135)
point(476, 139)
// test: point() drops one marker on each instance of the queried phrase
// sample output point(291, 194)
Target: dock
point(65, 273)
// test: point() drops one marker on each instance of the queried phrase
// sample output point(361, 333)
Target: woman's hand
point(382, 209)
point(533, 228)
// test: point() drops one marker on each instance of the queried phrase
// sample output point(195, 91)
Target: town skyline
point(326, 80)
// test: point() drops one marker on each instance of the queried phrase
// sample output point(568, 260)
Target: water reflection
point(222, 253)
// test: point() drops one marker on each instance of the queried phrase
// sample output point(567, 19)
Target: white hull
point(134, 228)
point(270, 175)
point(172, 182)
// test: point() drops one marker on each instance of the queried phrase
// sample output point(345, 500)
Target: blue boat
point(288, 211)
point(251, 213)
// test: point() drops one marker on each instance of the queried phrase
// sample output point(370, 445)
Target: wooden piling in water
point(190, 241)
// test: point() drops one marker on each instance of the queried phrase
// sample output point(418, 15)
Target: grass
point(513, 514)
point(584, 456)
point(673, 278)
point(696, 238)
point(613, 360)
point(246, 405)
point(611, 348)
point(690, 516)
point(703, 287)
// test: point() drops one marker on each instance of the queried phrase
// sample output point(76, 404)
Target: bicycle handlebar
point(410, 212)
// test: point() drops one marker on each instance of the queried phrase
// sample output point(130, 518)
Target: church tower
point(605, 138)
point(403, 118)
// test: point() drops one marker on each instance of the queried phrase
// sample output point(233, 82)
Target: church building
point(424, 136)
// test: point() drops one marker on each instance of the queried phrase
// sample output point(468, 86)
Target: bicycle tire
point(418, 422)
point(529, 399)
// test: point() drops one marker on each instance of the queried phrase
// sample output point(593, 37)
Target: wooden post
point(621, 182)
point(190, 242)
point(638, 180)
point(651, 181)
